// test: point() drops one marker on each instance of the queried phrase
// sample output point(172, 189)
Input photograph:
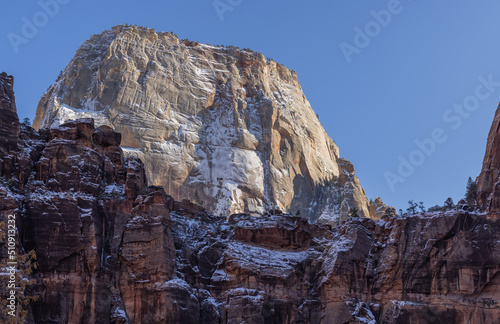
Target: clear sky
point(382, 75)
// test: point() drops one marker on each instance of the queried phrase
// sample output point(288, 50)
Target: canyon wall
point(111, 249)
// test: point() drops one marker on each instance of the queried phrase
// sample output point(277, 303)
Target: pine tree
point(434, 208)
point(413, 207)
point(471, 191)
point(421, 207)
point(449, 204)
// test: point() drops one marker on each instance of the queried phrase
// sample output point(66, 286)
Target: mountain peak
point(224, 125)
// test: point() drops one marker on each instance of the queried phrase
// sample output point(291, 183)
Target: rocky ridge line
point(217, 124)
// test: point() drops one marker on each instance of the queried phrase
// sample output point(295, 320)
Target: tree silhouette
point(421, 207)
point(471, 191)
point(389, 212)
point(413, 207)
point(434, 208)
point(449, 204)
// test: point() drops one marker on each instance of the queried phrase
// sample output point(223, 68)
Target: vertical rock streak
point(226, 123)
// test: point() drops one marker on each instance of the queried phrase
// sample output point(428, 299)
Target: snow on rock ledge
point(223, 124)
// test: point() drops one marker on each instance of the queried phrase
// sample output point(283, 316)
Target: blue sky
point(382, 75)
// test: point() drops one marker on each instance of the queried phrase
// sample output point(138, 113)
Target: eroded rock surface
point(488, 185)
point(112, 250)
point(426, 268)
point(216, 124)
point(9, 123)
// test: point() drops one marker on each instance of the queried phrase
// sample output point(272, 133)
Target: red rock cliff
point(9, 122)
point(488, 181)
point(112, 250)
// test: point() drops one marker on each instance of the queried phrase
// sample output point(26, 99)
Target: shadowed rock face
point(112, 250)
point(102, 238)
point(218, 124)
point(9, 123)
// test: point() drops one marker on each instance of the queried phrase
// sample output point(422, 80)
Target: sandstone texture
point(488, 184)
point(9, 123)
point(112, 250)
point(216, 124)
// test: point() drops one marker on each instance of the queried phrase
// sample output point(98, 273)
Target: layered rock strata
point(111, 250)
point(9, 123)
point(215, 124)
point(488, 182)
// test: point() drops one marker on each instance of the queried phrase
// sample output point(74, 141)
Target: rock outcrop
point(488, 182)
point(111, 250)
point(377, 208)
point(74, 207)
point(217, 124)
point(9, 123)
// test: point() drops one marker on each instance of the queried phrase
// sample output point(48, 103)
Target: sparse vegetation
point(449, 204)
point(26, 122)
point(434, 208)
point(412, 209)
point(471, 192)
point(421, 207)
point(389, 213)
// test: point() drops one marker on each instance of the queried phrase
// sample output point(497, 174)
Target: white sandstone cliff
point(220, 124)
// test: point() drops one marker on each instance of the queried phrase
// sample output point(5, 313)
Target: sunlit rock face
point(488, 184)
point(216, 124)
